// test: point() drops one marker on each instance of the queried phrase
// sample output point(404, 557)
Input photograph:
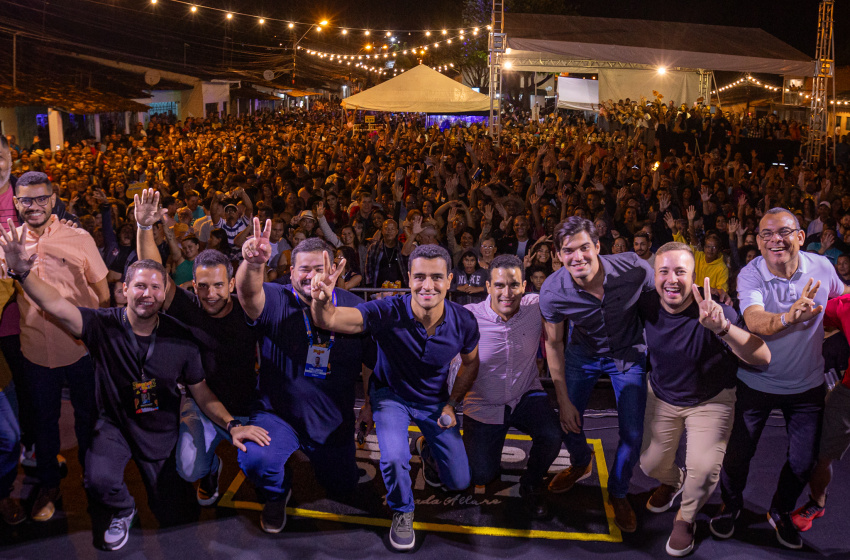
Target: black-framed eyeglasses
point(27, 201)
point(784, 233)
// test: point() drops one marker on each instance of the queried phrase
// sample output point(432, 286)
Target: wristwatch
point(452, 403)
point(232, 424)
point(20, 277)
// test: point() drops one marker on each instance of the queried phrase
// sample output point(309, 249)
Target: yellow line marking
point(613, 536)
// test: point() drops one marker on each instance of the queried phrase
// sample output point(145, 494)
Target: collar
point(494, 317)
point(52, 225)
point(767, 275)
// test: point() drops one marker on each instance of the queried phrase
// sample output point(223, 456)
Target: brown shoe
point(663, 497)
point(44, 505)
point(11, 511)
point(681, 541)
point(624, 515)
point(567, 478)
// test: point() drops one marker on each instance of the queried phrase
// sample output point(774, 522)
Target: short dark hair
point(642, 234)
point(4, 143)
point(508, 261)
point(33, 178)
point(145, 264)
point(312, 245)
point(193, 239)
point(573, 226)
point(430, 252)
point(211, 258)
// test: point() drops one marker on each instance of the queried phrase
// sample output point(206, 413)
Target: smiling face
point(580, 255)
point(674, 276)
point(35, 215)
point(779, 251)
point(429, 282)
point(306, 266)
point(506, 288)
point(145, 293)
point(213, 288)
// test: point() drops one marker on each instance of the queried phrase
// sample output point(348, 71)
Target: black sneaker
point(208, 485)
point(722, 525)
point(118, 532)
point(534, 501)
point(402, 536)
point(787, 535)
point(429, 468)
point(273, 518)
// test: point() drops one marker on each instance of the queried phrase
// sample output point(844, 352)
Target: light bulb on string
point(229, 16)
point(291, 25)
point(193, 9)
point(262, 21)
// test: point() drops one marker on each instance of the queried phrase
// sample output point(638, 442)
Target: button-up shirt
point(796, 358)
point(609, 327)
point(69, 261)
point(508, 354)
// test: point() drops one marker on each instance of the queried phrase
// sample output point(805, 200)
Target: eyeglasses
point(27, 201)
point(784, 233)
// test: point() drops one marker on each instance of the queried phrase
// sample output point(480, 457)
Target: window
point(163, 108)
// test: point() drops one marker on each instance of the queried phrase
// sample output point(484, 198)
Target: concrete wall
point(8, 121)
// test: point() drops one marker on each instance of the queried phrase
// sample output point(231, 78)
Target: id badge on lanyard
point(318, 355)
point(144, 391)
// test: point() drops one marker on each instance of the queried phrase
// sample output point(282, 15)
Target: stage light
point(662, 70)
point(153, 1)
point(508, 65)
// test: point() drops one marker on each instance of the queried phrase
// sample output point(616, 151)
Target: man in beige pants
point(694, 347)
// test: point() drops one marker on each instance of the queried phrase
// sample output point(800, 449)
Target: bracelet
point(725, 330)
point(452, 403)
point(144, 228)
point(783, 321)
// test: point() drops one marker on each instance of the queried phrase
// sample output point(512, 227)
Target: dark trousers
point(803, 414)
point(334, 465)
point(534, 416)
point(11, 348)
point(44, 386)
point(171, 499)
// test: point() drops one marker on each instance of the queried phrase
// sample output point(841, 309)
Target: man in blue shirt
point(418, 335)
point(598, 294)
point(307, 378)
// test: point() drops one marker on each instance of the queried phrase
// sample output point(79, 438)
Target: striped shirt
point(508, 354)
point(232, 232)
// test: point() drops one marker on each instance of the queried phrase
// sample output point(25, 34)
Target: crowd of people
point(153, 272)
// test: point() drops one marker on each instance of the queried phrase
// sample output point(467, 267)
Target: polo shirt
point(414, 365)
point(796, 363)
point(320, 409)
point(609, 327)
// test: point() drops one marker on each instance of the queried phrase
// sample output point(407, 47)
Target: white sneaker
point(119, 531)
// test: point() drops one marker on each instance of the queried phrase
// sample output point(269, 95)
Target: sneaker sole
point(720, 535)
point(582, 477)
point(809, 522)
point(782, 541)
point(15, 523)
point(420, 443)
point(679, 553)
point(122, 542)
point(398, 546)
point(276, 530)
point(212, 499)
point(669, 504)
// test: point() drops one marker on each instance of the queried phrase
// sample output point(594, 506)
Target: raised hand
point(539, 189)
point(669, 221)
point(710, 313)
point(146, 208)
point(705, 194)
point(417, 225)
point(488, 212)
point(805, 308)
point(257, 249)
point(827, 240)
point(399, 174)
point(322, 284)
point(622, 193)
point(732, 226)
point(692, 213)
point(320, 209)
point(664, 201)
point(16, 252)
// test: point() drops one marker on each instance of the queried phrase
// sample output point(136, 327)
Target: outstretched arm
point(249, 278)
point(42, 293)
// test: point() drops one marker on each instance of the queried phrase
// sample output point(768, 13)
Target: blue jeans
point(333, 464)
point(199, 437)
point(45, 392)
point(484, 442)
point(10, 441)
point(392, 416)
point(582, 371)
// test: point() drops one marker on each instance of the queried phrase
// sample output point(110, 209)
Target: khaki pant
point(708, 424)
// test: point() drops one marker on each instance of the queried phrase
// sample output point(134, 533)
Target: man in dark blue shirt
point(307, 378)
point(418, 335)
point(598, 294)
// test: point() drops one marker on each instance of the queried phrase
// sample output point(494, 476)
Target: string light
point(291, 25)
point(153, 1)
point(747, 79)
point(193, 9)
point(229, 16)
point(262, 21)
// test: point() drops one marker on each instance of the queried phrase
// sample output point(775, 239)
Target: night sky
point(163, 31)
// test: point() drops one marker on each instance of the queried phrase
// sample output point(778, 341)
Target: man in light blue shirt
point(782, 294)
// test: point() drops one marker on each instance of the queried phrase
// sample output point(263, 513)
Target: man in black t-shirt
point(694, 347)
point(140, 356)
point(228, 351)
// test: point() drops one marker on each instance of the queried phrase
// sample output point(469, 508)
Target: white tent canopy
point(419, 90)
point(575, 93)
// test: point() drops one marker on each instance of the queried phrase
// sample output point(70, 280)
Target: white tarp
point(419, 90)
point(575, 93)
point(680, 87)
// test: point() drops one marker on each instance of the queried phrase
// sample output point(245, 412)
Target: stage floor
point(480, 523)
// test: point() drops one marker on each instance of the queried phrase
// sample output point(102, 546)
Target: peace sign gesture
point(805, 308)
point(258, 249)
point(710, 313)
point(322, 284)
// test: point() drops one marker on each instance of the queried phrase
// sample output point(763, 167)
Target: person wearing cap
point(232, 223)
point(816, 225)
point(306, 220)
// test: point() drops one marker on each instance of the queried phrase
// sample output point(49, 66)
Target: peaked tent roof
point(419, 90)
point(654, 43)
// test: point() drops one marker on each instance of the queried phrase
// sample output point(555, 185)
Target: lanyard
point(307, 319)
point(134, 344)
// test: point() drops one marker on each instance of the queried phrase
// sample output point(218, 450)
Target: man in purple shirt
point(507, 392)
